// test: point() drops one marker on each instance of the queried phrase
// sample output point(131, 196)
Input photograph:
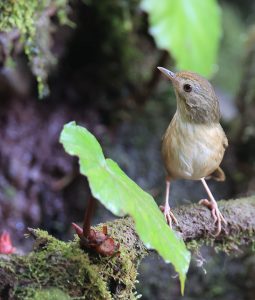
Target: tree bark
point(196, 224)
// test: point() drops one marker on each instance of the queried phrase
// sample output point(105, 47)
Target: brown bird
point(194, 142)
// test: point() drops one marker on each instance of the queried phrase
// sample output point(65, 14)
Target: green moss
point(57, 264)
point(194, 245)
point(55, 267)
point(32, 19)
point(121, 270)
point(50, 294)
point(45, 294)
point(227, 245)
point(18, 14)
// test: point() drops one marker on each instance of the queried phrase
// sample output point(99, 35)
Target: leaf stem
point(88, 216)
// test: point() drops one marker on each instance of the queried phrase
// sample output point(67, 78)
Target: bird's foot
point(217, 216)
point(169, 216)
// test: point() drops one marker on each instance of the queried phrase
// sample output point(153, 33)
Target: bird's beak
point(167, 73)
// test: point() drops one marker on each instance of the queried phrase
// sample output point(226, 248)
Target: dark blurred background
point(99, 69)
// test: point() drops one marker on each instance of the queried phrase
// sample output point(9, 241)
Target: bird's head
point(196, 99)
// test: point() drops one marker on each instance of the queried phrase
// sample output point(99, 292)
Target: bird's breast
point(192, 151)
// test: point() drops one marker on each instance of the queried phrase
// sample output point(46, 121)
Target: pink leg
point(212, 204)
point(169, 216)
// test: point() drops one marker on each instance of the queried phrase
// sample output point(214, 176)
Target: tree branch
point(196, 224)
point(56, 267)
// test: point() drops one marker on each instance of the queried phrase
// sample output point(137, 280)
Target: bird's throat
point(194, 113)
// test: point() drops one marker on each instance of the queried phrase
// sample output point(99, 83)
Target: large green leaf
point(189, 29)
point(117, 192)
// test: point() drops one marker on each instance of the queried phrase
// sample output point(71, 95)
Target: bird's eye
point(187, 88)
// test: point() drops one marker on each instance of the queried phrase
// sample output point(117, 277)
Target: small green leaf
point(118, 193)
point(189, 29)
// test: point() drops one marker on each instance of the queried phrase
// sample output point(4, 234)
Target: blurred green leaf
point(118, 193)
point(232, 50)
point(188, 29)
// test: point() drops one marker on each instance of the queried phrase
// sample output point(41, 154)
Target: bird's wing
point(217, 175)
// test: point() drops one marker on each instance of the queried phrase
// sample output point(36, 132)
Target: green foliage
point(32, 19)
point(117, 192)
point(189, 30)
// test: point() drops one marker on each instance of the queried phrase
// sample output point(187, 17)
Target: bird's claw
point(216, 214)
point(169, 216)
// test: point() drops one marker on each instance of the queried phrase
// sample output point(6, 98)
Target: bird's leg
point(169, 216)
point(213, 206)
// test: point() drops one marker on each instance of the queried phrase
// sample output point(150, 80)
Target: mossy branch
point(196, 224)
point(55, 267)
